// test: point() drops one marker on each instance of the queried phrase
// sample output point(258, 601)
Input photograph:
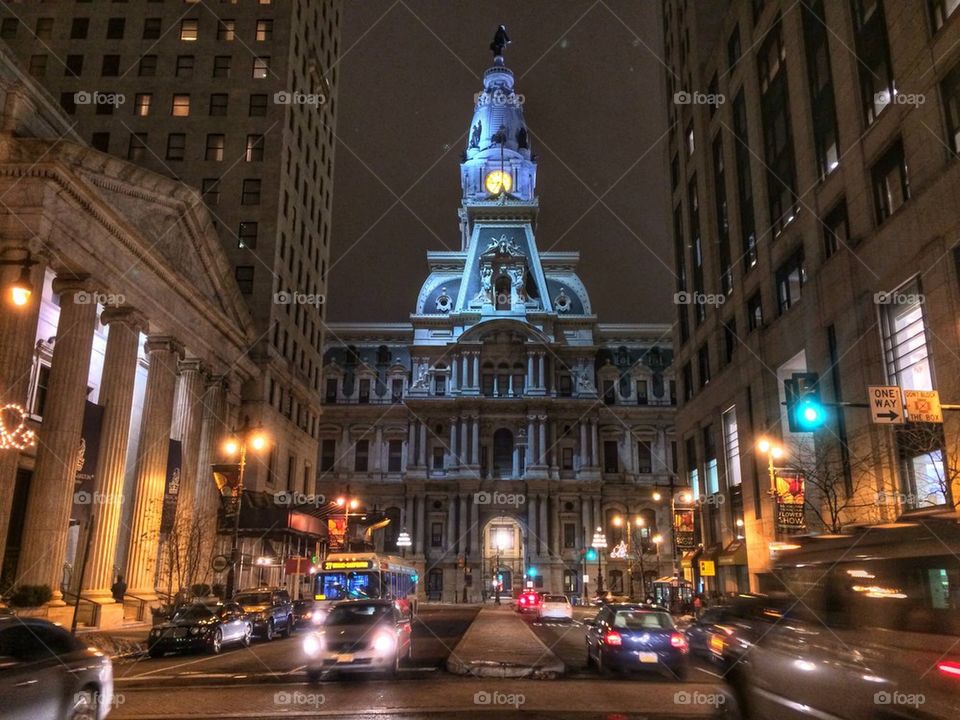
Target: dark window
point(950, 90)
point(110, 66)
point(68, 101)
point(247, 234)
point(38, 66)
point(364, 391)
point(100, 141)
point(361, 455)
point(734, 50)
point(147, 66)
point(137, 150)
point(73, 66)
point(723, 220)
point(394, 455)
point(436, 534)
point(331, 394)
point(221, 66)
point(566, 458)
point(438, 454)
point(210, 189)
point(941, 11)
point(836, 230)
point(152, 28)
point(218, 104)
point(891, 186)
point(250, 194)
point(176, 146)
point(8, 28)
point(696, 250)
point(40, 396)
point(244, 275)
point(79, 28)
point(644, 457)
point(115, 28)
point(396, 391)
point(328, 454)
point(569, 535)
point(214, 150)
point(873, 57)
point(755, 312)
point(642, 396)
point(611, 458)
point(748, 232)
point(703, 365)
point(820, 81)
point(258, 105)
point(687, 378)
point(609, 392)
point(185, 64)
point(44, 30)
point(790, 278)
point(729, 340)
point(254, 149)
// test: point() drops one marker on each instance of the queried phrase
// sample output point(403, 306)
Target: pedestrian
point(697, 606)
point(118, 589)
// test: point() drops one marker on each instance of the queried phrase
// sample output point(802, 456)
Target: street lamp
point(658, 540)
point(500, 542)
point(403, 542)
point(773, 451)
point(347, 504)
point(599, 543)
point(640, 523)
point(237, 445)
point(21, 289)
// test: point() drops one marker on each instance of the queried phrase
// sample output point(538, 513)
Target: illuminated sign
point(619, 551)
point(347, 565)
point(790, 501)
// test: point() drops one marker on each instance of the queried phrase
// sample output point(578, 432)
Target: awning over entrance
point(712, 552)
point(735, 554)
point(689, 557)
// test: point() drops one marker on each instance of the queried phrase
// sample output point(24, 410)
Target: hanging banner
point(336, 531)
point(683, 528)
point(172, 492)
point(791, 517)
point(85, 491)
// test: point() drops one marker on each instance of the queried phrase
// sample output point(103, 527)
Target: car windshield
point(555, 599)
point(254, 599)
point(195, 612)
point(358, 614)
point(642, 620)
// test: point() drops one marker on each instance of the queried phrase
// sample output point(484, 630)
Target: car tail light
point(523, 600)
point(611, 637)
point(678, 641)
point(950, 669)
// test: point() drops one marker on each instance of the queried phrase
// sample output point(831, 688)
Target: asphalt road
point(267, 681)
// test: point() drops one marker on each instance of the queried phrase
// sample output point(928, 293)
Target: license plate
point(345, 658)
point(648, 657)
point(716, 644)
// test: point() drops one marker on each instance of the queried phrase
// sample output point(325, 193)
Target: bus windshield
point(362, 584)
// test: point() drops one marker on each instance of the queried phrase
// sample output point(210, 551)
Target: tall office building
point(238, 100)
point(814, 176)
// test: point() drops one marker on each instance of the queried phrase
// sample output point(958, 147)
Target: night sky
point(592, 79)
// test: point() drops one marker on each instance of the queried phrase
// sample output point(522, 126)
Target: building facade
point(813, 155)
point(504, 426)
point(238, 101)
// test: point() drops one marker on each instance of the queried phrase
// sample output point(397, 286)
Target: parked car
point(609, 598)
point(359, 636)
point(48, 674)
point(632, 636)
point(555, 606)
point(304, 611)
point(269, 609)
point(201, 626)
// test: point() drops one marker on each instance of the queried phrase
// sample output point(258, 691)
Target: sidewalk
point(118, 643)
point(499, 643)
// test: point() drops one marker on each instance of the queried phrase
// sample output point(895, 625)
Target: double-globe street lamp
point(237, 445)
point(599, 544)
point(639, 522)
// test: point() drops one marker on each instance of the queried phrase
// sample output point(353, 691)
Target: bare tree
point(930, 453)
point(184, 564)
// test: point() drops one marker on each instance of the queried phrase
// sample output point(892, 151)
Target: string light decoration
point(14, 433)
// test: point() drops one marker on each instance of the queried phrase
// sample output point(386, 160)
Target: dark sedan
point(627, 636)
point(201, 627)
point(48, 674)
point(361, 636)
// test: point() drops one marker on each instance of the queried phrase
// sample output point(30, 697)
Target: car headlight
point(194, 631)
point(384, 643)
point(312, 644)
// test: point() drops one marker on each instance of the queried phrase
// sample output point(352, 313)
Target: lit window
point(141, 105)
point(731, 446)
point(181, 106)
point(226, 30)
point(254, 151)
point(264, 30)
point(189, 30)
point(261, 68)
point(904, 330)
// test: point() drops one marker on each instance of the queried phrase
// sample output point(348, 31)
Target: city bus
point(364, 576)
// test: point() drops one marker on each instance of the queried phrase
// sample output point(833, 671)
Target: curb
point(549, 668)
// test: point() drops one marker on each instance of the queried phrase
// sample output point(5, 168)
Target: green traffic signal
point(591, 554)
point(805, 411)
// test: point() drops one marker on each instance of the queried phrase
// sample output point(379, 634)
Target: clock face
point(498, 180)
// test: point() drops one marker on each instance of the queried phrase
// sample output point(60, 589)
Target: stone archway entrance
point(503, 556)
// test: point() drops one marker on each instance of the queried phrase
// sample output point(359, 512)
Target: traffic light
point(531, 572)
point(805, 411)
point(591, 554)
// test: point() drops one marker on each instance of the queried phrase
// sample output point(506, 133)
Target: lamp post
point(500, 543)
point(403, 542)
point(20, 289)
point(657, 541)
point(347, 504)
point(773, 451)
point(240, 440)
point(599, 544)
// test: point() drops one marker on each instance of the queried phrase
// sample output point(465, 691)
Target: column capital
point(132, 318)
point(190, 365)
point(71, 284)
point(221, 382)
point(163, 344)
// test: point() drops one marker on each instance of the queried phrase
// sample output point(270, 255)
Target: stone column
point(452, 524)
point(583, 446)
point(187, 421)
point(490, 469)
point(594, 444)
point(475, 420)
point(531, 441)
point(587, 520)
point(555, 526)
point(116, 396)
point(423, 445)
point(532, 543)
point(530, 380)
point(377, 448)
point(18, 328)
point(412, 444)
point(542, 379)
point(420, 522)
point(543, 528)
point(408, 514)
point(463, 527)
point(464, 443)
point(213, 429)
point(475, 530)
point(542, 422)
point(476, 369)
point(164, 354)
point(454, 364)
point(454, 462)
point(51, 489)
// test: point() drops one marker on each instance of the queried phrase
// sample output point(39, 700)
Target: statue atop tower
point(500, 41)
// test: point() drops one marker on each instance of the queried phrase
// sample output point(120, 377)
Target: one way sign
point(886, 404)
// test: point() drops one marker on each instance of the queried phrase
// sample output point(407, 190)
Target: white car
point(555, 606)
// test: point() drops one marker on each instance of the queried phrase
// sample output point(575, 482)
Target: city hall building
point(503, 426)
